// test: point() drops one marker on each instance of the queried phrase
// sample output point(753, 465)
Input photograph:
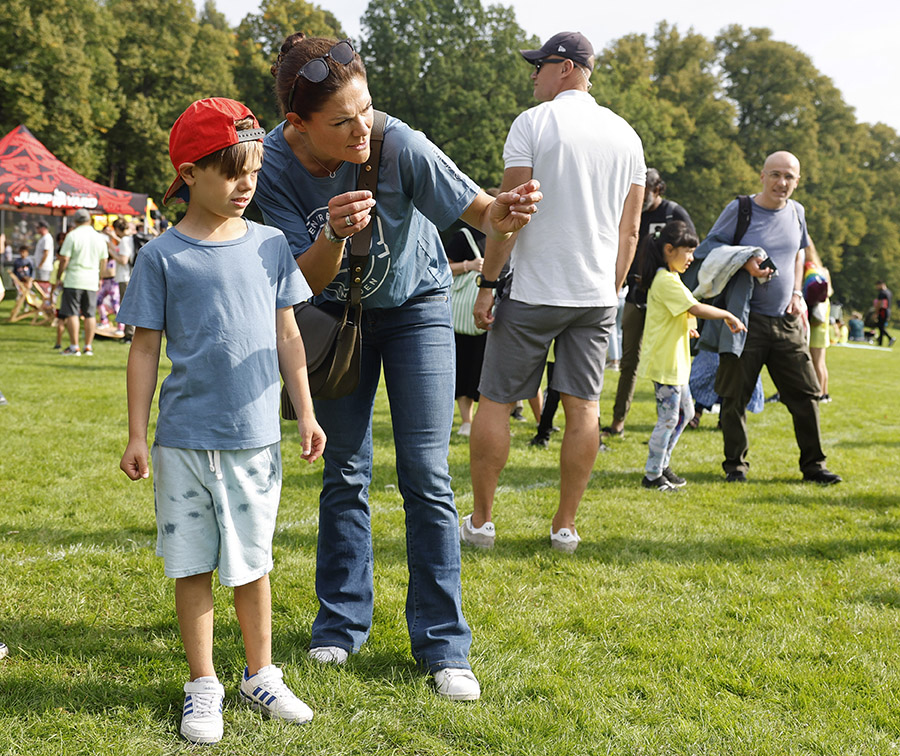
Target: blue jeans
point(674, 407)
point(414, 345)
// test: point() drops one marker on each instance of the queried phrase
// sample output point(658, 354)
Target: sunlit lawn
point(724, 619)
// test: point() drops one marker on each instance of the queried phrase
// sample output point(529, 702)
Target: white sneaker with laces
point(564, 540)
point(329, 654)
point(457, 684)
point(266, 692)
point(201, 718)
point(482, 537)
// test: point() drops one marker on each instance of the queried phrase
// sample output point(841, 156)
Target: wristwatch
point(483, 283)
point(329, 232)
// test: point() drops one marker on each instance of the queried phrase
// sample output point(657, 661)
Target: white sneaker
point(266, 692)
point(564, 540)
point(457, 684)
point(201, 719)
point(465, 430)
point(329, 654)
point(482, 537)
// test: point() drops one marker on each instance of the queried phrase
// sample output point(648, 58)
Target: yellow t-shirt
point(666, 354)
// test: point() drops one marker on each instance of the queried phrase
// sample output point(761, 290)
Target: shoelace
point(205, 703)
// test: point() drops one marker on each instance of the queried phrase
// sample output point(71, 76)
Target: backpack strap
point(745, 210)
point(368, 179)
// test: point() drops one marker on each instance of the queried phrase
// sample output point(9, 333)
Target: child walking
point(666, 254)
point(222, 289)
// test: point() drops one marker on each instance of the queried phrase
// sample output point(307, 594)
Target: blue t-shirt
point(216, 302)
point(419, 189)
point(781, 233)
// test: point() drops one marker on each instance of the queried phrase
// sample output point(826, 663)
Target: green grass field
point(722, 619)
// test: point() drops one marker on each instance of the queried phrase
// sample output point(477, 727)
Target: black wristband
point(483, 283)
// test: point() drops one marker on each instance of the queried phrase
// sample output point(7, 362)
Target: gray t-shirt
point(781, 233)
point(419, 191)
point(216, 302)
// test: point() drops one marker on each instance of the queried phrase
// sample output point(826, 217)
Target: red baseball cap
point(207, 126)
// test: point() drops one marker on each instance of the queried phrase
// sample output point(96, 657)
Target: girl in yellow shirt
point(665, 254)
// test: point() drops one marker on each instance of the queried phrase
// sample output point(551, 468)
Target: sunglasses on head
point(538, 65)
point(317, 70)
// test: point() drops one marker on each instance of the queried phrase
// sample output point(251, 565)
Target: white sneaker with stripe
point(266, 692)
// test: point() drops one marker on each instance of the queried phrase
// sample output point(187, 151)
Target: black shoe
point(675, 480)
point(517, 415)
point(540, 440)
point(776, 397)
point(660, 483)
point(607, 430)
point(823, 477)
point(736, 477)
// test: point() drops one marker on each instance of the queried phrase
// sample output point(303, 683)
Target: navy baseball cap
point(572, 45)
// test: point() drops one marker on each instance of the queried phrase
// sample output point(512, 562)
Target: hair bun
point(286, 46)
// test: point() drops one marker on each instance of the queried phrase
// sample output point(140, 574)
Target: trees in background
point(100, 83)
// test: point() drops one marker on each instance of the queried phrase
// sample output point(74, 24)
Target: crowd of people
point(540, 272)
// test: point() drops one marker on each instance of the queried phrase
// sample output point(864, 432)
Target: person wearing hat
point(223, 289)
point(568, 265)
point(81, 255)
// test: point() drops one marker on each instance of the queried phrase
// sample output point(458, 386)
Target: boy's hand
point(134, 461)
point(312, 438)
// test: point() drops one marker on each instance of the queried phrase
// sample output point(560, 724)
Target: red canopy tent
point(34, 180)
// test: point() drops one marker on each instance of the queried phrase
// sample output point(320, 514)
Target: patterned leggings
point(674, 407)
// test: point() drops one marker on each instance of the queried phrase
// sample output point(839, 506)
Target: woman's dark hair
point(310, 97)
point(651, 255)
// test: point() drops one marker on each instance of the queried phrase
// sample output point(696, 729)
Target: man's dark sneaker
point(517, 415)
point(736, 477)
point(660, 483)
point(540, 440)
point(823, 477)
point(675, 480)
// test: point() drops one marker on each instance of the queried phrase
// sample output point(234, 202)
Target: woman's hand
point(350, 212)
point(512, 210)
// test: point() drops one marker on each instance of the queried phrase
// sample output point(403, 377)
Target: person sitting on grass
point(669, 326)
point(222, 289)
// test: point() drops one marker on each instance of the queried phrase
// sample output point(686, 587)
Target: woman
point(307, 188)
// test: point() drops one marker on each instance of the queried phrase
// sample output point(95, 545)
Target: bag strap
point(368, 179)
point(472, 243)
point(745, 210)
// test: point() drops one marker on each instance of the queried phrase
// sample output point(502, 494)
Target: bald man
point(775, 336)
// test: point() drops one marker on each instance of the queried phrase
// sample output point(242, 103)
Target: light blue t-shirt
point(419, 191)
point(781, 233)
point(216, 302)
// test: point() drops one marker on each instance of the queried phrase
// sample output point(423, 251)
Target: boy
point(23, 268)
point(217, 284)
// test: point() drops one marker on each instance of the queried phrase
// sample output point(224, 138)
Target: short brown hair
point(233, 161)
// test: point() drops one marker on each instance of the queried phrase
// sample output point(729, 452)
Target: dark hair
point(120, 225)
point(232, 161)
point(654, 181)
point(310, 97)
point(651, 255)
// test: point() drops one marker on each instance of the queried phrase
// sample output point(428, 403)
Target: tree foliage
point(103, 94)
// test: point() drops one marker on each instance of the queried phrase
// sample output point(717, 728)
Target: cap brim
point(172, 191)
point(532, 55)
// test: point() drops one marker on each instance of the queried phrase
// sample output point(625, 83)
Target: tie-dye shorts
point(216, 509)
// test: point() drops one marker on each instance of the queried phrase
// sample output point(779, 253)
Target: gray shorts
point(216, 509)
point(77, 301)
point(520, 339)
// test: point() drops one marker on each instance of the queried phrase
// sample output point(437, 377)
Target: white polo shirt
point(586, 158)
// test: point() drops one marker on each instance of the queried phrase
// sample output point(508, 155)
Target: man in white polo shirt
point(567, 267)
